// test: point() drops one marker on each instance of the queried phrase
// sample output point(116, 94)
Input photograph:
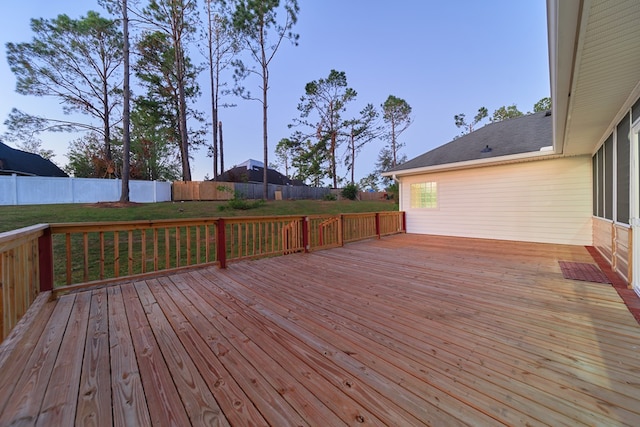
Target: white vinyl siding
point(537, 201)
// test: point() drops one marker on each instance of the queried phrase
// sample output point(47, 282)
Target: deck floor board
point(406, 330)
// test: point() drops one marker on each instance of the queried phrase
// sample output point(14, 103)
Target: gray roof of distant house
point(255, 175)
point(24, 163)
point(523, 134)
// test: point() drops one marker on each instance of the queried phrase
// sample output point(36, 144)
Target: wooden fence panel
point(183, 191)
point(211, 190)
point(373, 195)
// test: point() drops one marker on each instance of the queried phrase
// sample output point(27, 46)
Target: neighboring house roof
point(525, 134)
point(255, 175)
point(20, 162)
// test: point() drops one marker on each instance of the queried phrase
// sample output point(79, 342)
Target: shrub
point(350, 191)
point(392, 190)
point(243, 204)
point(330, 197)
point(240, 203)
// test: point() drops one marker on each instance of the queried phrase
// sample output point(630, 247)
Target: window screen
point(594, 176)
point(601, 182)
point(635, 111)
point(608, 178)
point(622, 170)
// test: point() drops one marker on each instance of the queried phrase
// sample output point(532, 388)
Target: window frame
point(424, 195)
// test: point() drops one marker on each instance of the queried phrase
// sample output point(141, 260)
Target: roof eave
point(493, 161)
point(563, 27)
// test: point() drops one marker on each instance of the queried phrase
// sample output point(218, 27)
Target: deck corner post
point(404, 222)
point(305, 234)
point(45, 260)
point(378, 225)
point(221, 243)
point(341, 230)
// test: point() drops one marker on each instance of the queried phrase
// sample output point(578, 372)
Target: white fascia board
point(469, 164)
point(565, 23)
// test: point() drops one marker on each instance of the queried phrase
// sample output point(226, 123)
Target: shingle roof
point(255, 175)
point(523, 134)
point(23, 163)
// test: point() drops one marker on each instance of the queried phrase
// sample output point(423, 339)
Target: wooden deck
point(407, 330)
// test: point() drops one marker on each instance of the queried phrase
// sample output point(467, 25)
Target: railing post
point(221, 243)
point(404, 221)
point(45, 260)
point(378, 225)
point(305, 234)
point(341, 230)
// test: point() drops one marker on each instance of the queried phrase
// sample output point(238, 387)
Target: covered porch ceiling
point(594, 56)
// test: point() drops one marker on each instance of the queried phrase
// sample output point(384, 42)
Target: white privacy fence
point(38, 190)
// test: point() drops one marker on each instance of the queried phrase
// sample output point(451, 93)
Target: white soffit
point(606, 71)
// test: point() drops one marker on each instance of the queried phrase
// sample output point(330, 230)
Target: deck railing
point(21, 269)
point(87, 252)
point(65, 256)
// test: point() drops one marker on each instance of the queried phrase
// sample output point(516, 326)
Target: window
point(608, 178)
point(424, 195)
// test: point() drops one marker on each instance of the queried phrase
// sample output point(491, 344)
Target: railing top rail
point(112, 225)
point(9, 239)
point(356, 214)
point(139, 224)
point(262, 218)
point(128, 225)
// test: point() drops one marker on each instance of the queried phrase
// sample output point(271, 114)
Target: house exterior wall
point(547, 201)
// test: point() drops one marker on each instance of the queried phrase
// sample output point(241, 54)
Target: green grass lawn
point(14, 217)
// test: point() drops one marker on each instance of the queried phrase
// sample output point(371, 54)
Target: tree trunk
point(353, 158)
point(106, 125)
point(333, 159)
point(221, 145)
point(265, 87)
point(182, 113)
point(126, 115)
point(214, 103)
point(393, 142)
point(214, 142)
point(265, 185)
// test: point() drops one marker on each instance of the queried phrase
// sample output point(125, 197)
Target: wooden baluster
point(221, 244)
point(85, 246)
point(116, 254)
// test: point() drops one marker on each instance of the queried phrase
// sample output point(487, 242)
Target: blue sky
point(443, 58)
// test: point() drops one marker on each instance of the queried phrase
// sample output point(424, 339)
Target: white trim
point(634, 206)
point(564, 20)
point(468, 164)
point(614, 175)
